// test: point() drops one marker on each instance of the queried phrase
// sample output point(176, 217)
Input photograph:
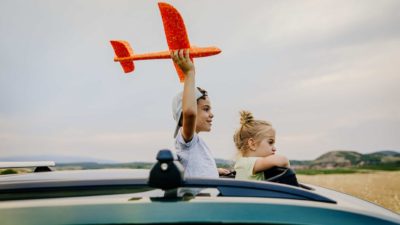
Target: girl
point(255, 141)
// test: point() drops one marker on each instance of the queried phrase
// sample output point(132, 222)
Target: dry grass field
point(381, 188)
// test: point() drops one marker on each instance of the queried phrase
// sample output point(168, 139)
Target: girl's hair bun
point(246, 117)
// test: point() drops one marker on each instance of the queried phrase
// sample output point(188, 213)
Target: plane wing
point(175, 31)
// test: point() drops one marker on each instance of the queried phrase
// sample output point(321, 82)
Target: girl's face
point(266, 146)
point(204, 115)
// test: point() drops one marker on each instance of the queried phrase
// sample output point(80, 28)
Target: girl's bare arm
point(265, 163)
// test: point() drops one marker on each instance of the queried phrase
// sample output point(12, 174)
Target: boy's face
point(204, 115)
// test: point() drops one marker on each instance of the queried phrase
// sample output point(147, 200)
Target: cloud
point(291, 24)
point(313, 68)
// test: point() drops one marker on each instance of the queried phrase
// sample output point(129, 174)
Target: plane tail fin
point(123, 49)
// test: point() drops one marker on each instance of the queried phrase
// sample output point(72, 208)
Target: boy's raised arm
point(189, 104)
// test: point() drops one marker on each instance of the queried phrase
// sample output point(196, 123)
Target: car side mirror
point(168, 172)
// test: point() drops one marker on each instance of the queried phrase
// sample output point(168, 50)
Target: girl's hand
point(223, 171)
point(182, 59)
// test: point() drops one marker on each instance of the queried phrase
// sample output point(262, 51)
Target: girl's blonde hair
point(251, 128)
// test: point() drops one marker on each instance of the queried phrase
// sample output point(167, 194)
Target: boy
point(192, 112)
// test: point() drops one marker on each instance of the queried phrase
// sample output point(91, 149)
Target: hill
point(381, 160)
point(56, 158)
point(352, 159)
point(132, 165)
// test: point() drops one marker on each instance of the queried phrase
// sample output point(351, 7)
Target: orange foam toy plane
point(177, 38)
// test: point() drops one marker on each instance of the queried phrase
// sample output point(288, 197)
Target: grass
point(8, 171)
point(349, 170)
point(327, 171)
point(379, 187)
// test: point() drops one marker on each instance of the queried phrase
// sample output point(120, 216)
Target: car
point(163, 195)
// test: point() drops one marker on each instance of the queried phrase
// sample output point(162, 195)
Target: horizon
point(64, 159)
point(324, 73)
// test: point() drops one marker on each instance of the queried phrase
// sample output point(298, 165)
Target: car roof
point(115, 180)
point(151, 207)
point(138, 178)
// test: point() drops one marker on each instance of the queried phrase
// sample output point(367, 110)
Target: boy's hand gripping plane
point(177, 38)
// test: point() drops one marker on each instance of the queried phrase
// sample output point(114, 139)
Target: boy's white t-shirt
point(195, 157)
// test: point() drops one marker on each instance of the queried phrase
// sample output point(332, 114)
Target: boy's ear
point(252, 144)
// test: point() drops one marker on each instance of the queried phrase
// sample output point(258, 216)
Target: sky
point(326, 74)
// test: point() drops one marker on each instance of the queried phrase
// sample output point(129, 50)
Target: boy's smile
point(204, 115)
